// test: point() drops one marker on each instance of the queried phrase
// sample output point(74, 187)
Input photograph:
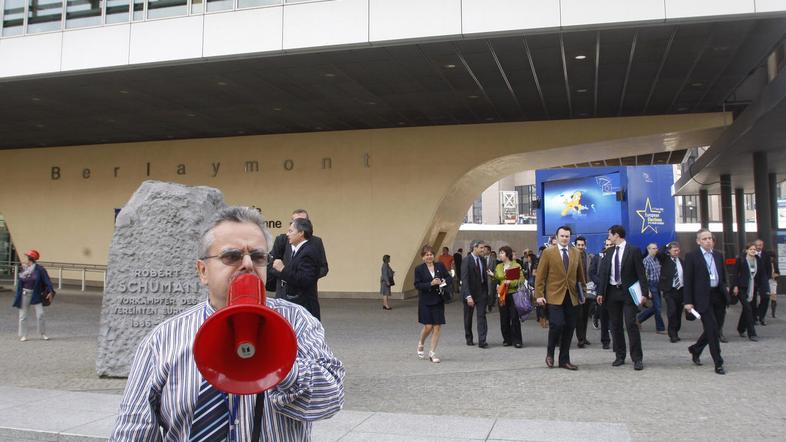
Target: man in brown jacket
point(560, 271)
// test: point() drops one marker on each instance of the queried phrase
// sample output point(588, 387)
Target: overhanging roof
point(760, 128)
point(644, 70)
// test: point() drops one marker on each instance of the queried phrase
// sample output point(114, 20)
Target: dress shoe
point(550, 361)
point(470, 342)
point(720, 370)
point(506, 344)
point(568, 366)
point(723, 339)
point(606, 346)
point(517, 345)
point(742, 334)
point(673, 340)
point(617, 362)
point(660, 332)
point(586, 342)
point(638, 365)
point(762, 321)
point(694, 357)
point(754, 338)
point(483, 345)
point(580, 345)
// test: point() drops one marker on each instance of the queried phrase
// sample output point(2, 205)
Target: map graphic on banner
point(587, 203)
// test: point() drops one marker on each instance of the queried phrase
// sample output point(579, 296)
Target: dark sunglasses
point(233, 257)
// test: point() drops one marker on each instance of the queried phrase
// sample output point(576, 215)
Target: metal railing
point(10, 271)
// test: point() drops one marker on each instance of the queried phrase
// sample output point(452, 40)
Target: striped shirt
point(163, 385)
point(652, 268)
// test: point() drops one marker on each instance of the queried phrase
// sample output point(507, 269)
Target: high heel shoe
point(421, 352)
point(386, 308)
point(433, 357)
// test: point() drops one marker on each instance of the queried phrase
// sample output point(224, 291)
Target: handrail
point(60, 267)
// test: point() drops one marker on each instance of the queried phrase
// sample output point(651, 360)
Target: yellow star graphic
point(644, 213)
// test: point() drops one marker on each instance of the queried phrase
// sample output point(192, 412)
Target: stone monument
point(151, 273)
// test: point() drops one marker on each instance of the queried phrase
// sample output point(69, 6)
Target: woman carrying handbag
point(33, 288)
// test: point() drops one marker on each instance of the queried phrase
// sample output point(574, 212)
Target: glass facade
point(35, 16)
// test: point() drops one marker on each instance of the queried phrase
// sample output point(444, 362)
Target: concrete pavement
point(499, 393)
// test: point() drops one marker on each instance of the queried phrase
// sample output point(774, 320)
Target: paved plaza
point(49, 390)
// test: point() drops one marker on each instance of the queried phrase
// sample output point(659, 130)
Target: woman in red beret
point(33, 287)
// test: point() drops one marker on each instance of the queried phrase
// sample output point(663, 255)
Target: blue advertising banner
point(651, 216)
point(590, 200)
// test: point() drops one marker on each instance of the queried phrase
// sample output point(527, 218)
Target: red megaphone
point(245, 347)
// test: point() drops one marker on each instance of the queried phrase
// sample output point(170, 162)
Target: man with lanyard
point(705, 292)
point(166, 397)
point(652, 268)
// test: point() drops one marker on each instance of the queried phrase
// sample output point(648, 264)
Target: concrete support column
point(773, 202)
point(761, 186)
point(726, 216)
point(704, 208)
point(739, 203)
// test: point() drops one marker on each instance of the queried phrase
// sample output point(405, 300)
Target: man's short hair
point(459, 250)
point(672, 244)
point(303, 225)
point(475, 243)
point(617, 229)
point(581, 238)
point(299, 211)
point(652, 244)
point(233, 215)
point(445, 249)
point(567, 228)
point(702, 230)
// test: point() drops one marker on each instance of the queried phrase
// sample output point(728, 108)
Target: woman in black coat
point(750, 280)
point(429, 277)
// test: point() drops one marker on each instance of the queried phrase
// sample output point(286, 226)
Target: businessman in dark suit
point(672, 280)
point(474, 292)
point(706, 291)
point(770, 261)
point(299, 270)
point(621, 269)
point(601, 319)
point(583, 310)
point(279, 248)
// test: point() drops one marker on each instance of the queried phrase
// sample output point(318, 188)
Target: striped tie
point(211, 418)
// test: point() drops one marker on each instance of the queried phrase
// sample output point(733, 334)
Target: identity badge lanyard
point(711, 266)
point(232, 405)
point(234, 422)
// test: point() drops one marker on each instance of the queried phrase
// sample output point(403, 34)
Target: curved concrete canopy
point(370, 192)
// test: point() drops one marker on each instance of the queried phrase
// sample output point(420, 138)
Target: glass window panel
point(13, 17)
point(219, 5)
point(81, 13)
point(166, 8)
point(297, 1)
point(252, 3)
point(44, 15)
point(117, 11)
point(196, 6)
point(139, 10)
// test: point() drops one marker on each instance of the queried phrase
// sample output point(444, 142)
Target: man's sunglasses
point(233, 257)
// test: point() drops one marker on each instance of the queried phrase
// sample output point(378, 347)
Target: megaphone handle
point(259, 411)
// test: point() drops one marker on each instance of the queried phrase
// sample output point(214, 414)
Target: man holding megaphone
point(237, 366)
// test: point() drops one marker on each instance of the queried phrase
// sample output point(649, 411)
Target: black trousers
point(602, 313)
point(582, 319)
point(745, 324)
point(764, 302)
point(480, 308)
point(562, 322)
point(509, 322)
point(621, 307)
point(711, 324)
point(674, 308)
